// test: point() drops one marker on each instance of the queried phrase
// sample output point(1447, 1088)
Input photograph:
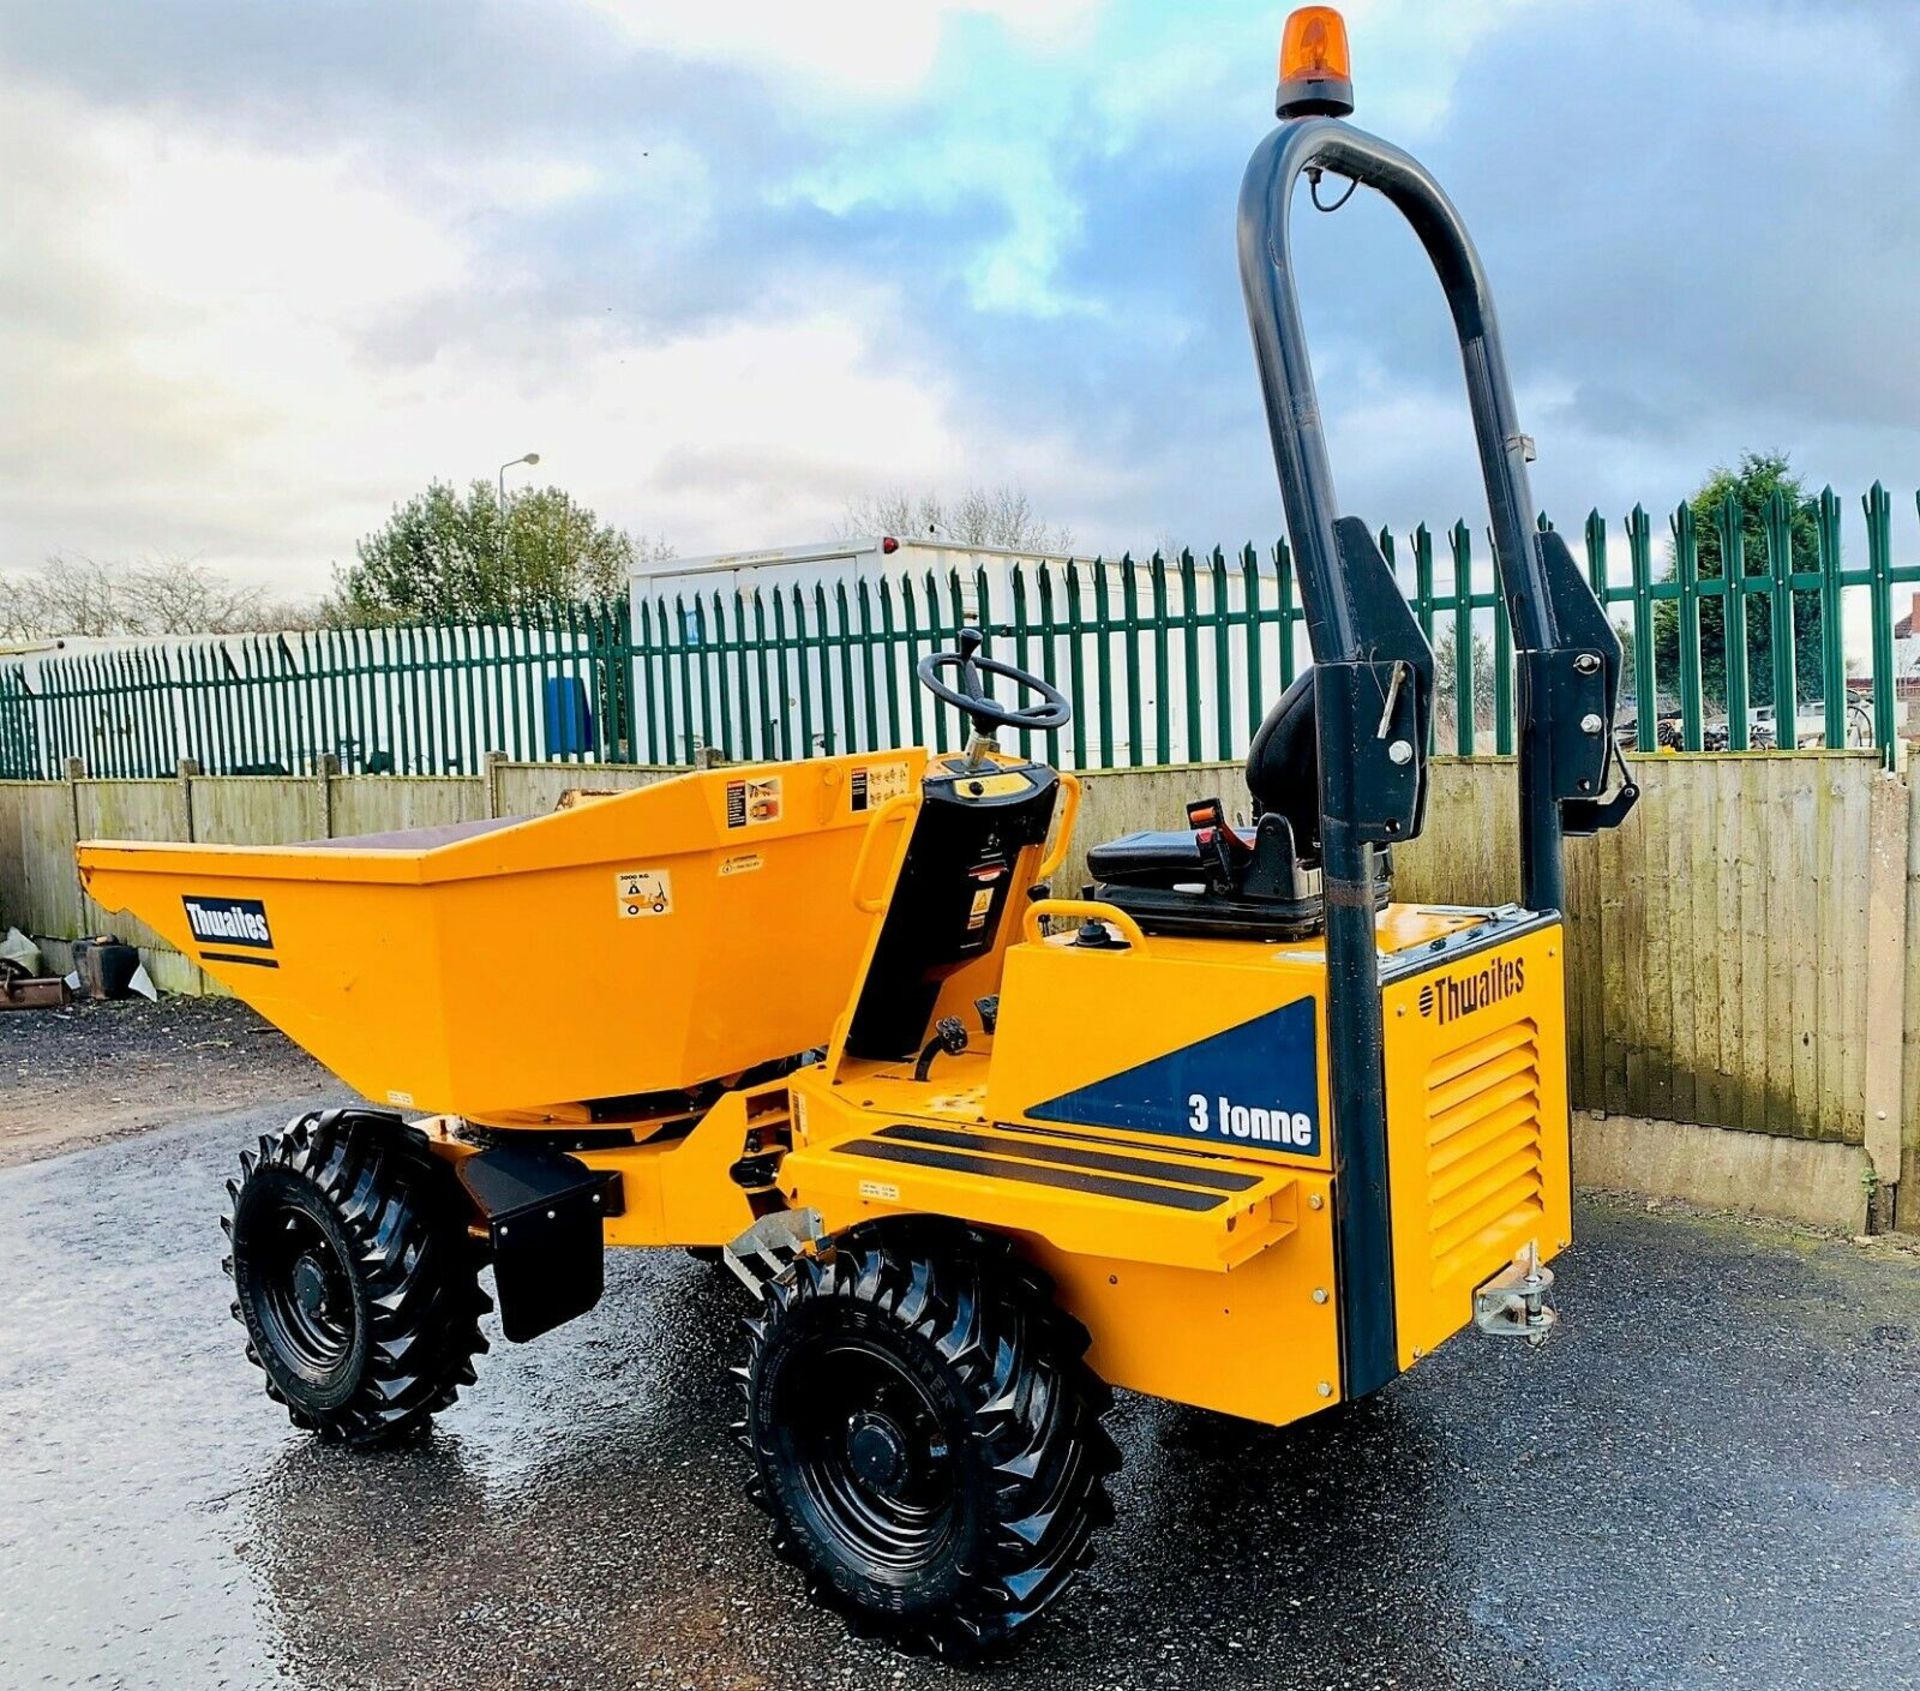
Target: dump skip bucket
point(645, 942)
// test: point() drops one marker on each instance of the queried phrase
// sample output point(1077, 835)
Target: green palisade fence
point(420, 699)
point(1167, 659)
point(1174, 658)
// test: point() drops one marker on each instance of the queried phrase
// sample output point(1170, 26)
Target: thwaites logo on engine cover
point(229, 921)
point(1448, 997)
point(1252, 1085)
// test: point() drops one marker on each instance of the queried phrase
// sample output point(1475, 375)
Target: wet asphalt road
point(1712, 1479)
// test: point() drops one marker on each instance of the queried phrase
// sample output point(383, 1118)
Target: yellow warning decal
point(644, 892)
point(741, 863)
point(871, 786)
point(751, 804)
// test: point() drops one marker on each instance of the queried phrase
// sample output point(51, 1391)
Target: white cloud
point(1011, 271)
point(876, 50)
point(195, 342)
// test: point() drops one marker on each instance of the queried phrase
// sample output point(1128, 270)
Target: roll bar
point(1373, 668)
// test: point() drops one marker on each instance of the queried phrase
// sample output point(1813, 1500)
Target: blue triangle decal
point(1252, 1085)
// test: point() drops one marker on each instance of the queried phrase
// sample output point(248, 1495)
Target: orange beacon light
point(1316, 69)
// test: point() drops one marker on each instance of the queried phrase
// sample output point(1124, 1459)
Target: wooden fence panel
point(257, 809)
point(1717, 942)
point(135, 810)
point(376, 804)
point(39, 892)
point(533, 789)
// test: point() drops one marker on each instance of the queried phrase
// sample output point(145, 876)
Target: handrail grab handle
point(895, 810)
point(1089, 909)
point(1063, 839)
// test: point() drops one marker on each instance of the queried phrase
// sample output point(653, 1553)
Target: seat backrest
point(1283, 766)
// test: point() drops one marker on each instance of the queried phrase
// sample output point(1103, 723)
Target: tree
point(73, 594)
point(1752, 488)
point(450, 556)
point(1446, 644)
point(981, 516)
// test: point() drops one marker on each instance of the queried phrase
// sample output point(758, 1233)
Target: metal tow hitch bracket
point(1513, 1304)
point(763, 1252)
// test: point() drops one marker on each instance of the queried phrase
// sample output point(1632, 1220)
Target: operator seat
point(1211, 879)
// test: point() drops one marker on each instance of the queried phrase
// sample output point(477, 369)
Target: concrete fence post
point(76, 772)
point(490, 779)
point(1889, 825)
point(1907, 1193)
point(184, 771)
point(325, 767)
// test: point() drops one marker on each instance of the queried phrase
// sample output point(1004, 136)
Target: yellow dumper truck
point(1231, 1127)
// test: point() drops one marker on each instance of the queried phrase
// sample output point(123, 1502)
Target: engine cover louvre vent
point(1485, 1166)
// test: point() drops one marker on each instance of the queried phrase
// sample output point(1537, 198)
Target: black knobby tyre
point(926, 1436)
point(354, 1276)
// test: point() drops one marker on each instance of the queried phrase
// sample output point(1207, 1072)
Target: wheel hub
point(877, 1450)
point(310, 1285)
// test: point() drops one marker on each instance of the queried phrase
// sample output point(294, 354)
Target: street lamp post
point(526, 458)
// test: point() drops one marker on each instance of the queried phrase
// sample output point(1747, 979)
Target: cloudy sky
point(268, 269)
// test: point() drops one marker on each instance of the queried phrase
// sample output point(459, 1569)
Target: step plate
point(1182, 1210)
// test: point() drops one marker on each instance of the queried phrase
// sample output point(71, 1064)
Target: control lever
point(1393, 698)
point(950, 1036)
point(1207, 819)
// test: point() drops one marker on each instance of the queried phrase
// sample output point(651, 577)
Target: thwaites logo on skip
point(1449, 997)
point(229, 921)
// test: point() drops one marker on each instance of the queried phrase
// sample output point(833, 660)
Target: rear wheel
point(354, 1276)
point(926, 1436)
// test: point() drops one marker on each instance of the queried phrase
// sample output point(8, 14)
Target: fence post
point(1833, 660)
point(1786, 675)
point(76, 772)
point(1686, 553)
point(1879, 510)
point(325, 767)
point(1646, 696)
point(1422, 610)
point(1907, 1195)
point(490, 780)
point(1888, 827)
point(1730, 521)
point(1130, 622)
point(1461, 541)
point(184, 771)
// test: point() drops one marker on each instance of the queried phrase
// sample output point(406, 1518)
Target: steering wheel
point(1050, 712)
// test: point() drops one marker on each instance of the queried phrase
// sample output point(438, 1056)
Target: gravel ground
point(1712, 1478)
point(93, 1072)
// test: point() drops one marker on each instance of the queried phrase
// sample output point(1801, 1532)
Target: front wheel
point(926, 1436)
point(354, 1276)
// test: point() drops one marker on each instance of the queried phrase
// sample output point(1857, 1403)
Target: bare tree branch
point(72, 594)
point(980, 516)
